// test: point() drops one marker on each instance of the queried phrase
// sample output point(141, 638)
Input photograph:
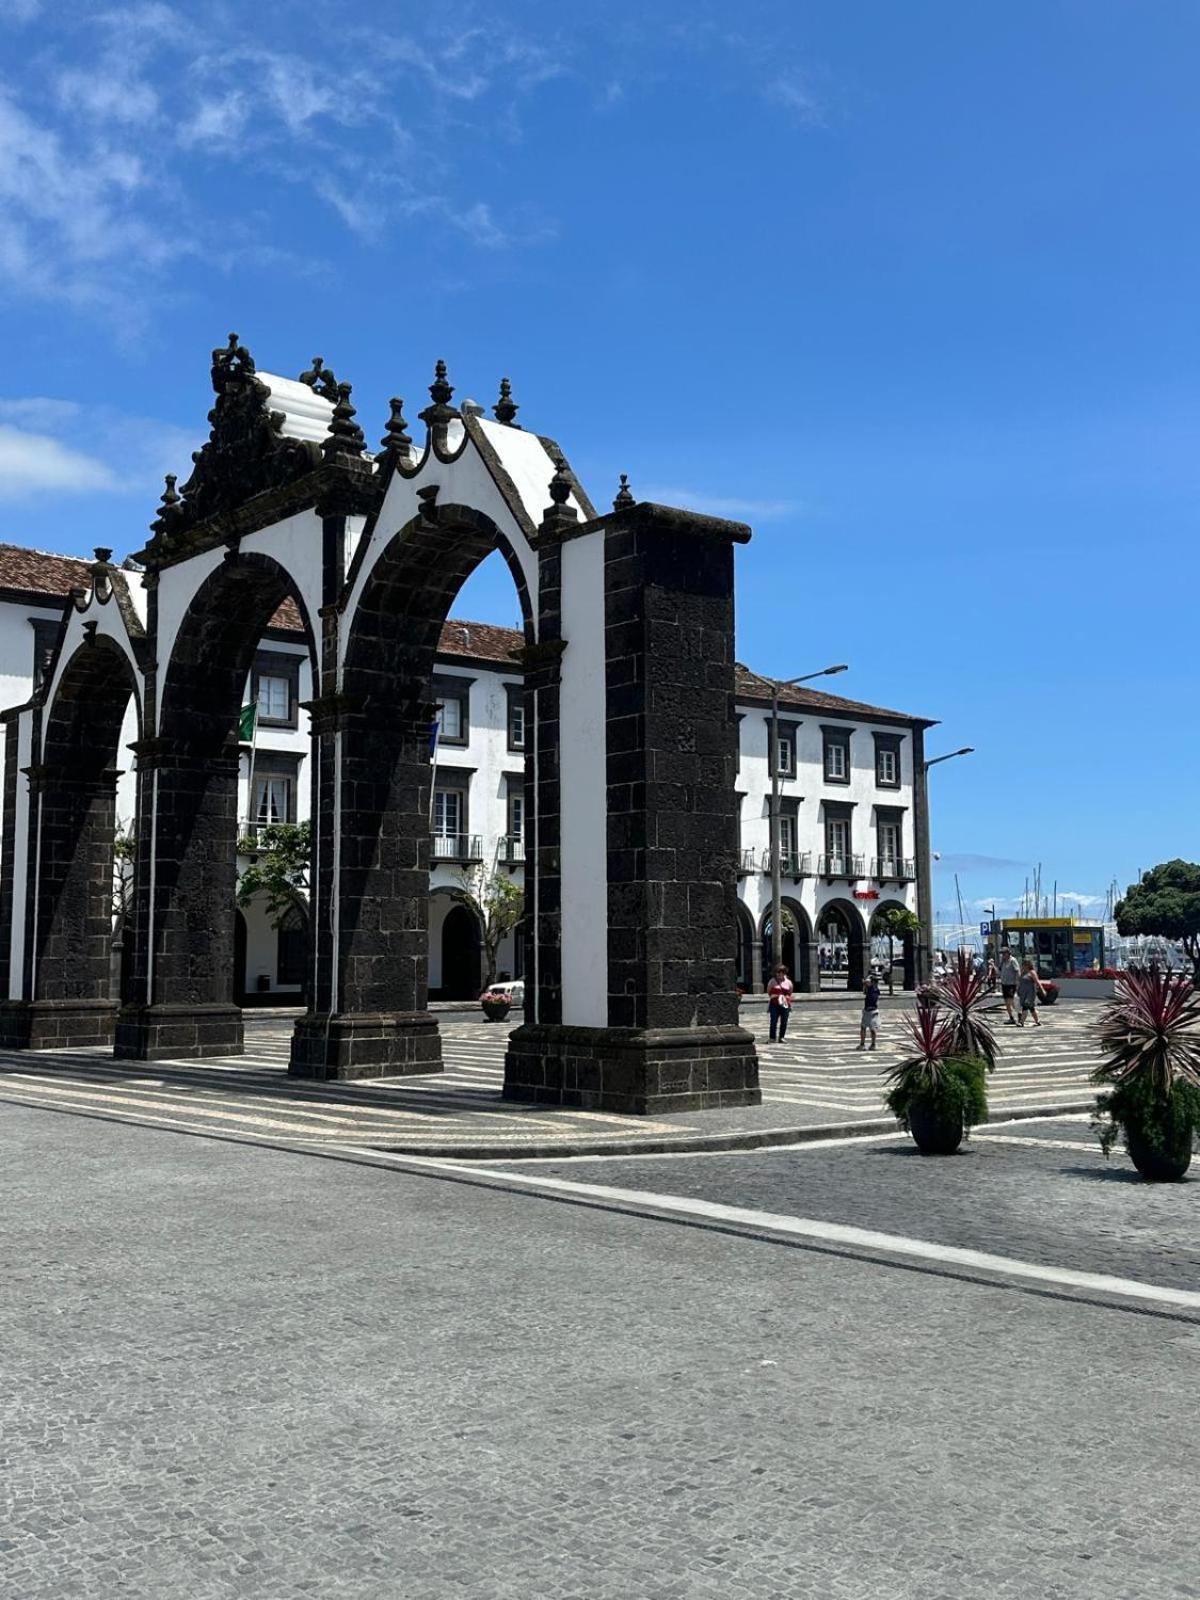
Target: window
point(447, 812)
point(783, 758)
point(837, 837)
point(291, 949)
point(890, 849)
point(274, 699)
point(787, 838)
point(887, 760)
point(452, 696)
point(275, 688)
point(45, 637)
point(274, 798)
point(837, 754)
point(516, 716)
point(516, 816)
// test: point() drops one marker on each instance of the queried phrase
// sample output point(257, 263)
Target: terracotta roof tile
point(38, 572)
point(482, 641)
point(750, 686)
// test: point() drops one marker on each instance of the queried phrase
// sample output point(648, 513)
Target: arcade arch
point(841, 936)
point(797, 955)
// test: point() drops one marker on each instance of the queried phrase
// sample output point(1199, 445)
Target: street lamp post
point(924, 860)
point(776, 890)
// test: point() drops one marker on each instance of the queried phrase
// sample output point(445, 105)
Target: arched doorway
point(884, 947)
point(744, 950)
point(461, 974)
point(240, 941)
point(67, 980)
point(841, 938)
point(797, 945)
point(185, 999)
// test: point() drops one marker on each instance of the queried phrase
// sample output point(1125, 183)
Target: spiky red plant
point(963, 992)
point(1151, 1030)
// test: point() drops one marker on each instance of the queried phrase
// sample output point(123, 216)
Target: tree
point(896, 922)
point(1166, 902)
point(498, 903)
point(124, 855)
point(278, 867)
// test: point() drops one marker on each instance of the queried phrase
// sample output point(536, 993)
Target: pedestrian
point(780, 992)
point(1010, 975)
point(1029, 987)
point(991, 976)
point(870, 1013)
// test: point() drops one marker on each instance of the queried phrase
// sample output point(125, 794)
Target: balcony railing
point(899, 869)
point(747, 862)
point(841, 866)
point(510, 851)
point(456, 847)
point(794, 864)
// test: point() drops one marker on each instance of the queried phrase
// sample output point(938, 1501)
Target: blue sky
point(910, 288)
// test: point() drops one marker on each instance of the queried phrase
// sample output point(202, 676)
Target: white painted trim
point(16, 960)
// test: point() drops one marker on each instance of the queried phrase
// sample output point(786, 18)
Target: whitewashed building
point(853, 829)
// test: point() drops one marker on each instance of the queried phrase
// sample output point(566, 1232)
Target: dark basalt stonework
point(641, 1072)
point(56, 1024)
point(158, 1032)
point(388, 1044)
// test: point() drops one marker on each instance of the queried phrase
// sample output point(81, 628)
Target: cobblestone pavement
point(815, 1078)
point(245, 1374)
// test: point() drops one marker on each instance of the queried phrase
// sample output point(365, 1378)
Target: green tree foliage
point(895, 922)
point(1166, 902)
point(498, 903)
point(124, 855)
point(278, 867)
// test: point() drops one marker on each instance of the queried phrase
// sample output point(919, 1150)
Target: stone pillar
point(66, 1002)
point(649, 1005)
point(812, 968)
point(370, 1015)
point(181, 988)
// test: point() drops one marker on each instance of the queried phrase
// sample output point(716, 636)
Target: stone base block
point(56, 1024)
point(169, 1032)
point(644, 1072)
point(385, 1044)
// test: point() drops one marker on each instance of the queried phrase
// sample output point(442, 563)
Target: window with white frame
point(274, 699)
point(837, 837)
point(781, 749)
point(275, 688)
point(516, 716)
point(886, 765)
point(450, 720)
point(837, 758)
point(787, 837)
point(887, 760)
point(516, 814)
point(274, 798)
point(448, 812)
point(890, 848)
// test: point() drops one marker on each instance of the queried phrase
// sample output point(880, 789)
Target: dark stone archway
point(746, 977)
point(799, 955)
point(68, 946)
point(907, 943)
point(182, 993)
point(370, 1011)
point(850, 922)
point(462, 975)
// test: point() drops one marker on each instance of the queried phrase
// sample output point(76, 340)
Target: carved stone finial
point(559, 514)
point(624, 494)
point(233, 361)
point(437, 415)
point(440, 392)
point(102, 556)
point(506, 409)
point(345, 437)
point(320, 379)
point(395, 439)
point(170, 508)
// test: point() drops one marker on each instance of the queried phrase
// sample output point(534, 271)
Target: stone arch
point(66, 988)
point(908, 944)
point(182, 990)
point(850, 919)
point(375, 758)
point(744, 950)
point(798, 954)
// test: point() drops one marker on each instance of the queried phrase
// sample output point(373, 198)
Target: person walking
point(779, 991)
point(870, 1013)
point(991, 976)
point(1010, 975)
point(1029, 987)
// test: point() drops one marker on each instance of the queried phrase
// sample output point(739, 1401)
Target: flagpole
point(250, 782)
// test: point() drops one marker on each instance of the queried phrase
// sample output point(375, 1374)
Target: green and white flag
point(246, 721)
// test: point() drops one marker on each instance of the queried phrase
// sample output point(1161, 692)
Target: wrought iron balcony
point(457, 847)
point(794, 864)
point(897, 869)
point(841, 866)
point(747, 862)
point(510, 851)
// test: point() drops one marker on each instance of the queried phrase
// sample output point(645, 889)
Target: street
point(235, 1371)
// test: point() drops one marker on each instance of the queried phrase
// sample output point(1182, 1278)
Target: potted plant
point(496, 1004)
point(963, 995)
point(936, 1095)
point(1150, 1033)
point(1049, 992)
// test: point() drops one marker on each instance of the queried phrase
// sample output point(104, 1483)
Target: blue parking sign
point(985, 928)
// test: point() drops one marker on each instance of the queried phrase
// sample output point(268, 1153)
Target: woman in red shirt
point(780, 991)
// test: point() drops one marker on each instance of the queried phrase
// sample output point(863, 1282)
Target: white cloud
point(108, 96)
point(34, 463)
point(719, 505)
point(792, 93)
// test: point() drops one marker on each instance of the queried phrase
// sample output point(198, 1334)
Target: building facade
point(852, 824)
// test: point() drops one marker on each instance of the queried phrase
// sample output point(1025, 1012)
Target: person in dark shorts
point(870, 1013)
point(1010, 975)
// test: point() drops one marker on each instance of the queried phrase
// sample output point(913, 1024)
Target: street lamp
point(776, 892)
point(924, 865)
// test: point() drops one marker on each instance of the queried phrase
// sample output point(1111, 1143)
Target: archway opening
point(744, 951)
point(841, 940)
point(893, 953)
point(797, 944)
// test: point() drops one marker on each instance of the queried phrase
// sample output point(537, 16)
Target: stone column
point(664, 886)
point(370, 1015)
point(67, 1002)
point(181, 1000)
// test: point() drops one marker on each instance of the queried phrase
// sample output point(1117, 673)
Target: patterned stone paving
point(816, 1078)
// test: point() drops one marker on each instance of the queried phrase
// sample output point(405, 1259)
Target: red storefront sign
point(866, 894)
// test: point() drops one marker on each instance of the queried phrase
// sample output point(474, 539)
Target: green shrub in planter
point(1150, 1034)
point(936, 1096)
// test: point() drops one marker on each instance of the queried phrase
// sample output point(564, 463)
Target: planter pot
point(1159, 1163)
point(934, 1132)
point(495, 1010)
point(1050, 996)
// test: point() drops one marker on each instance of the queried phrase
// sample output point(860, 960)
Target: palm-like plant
point(1150, 1036)
point(963, 992)
point(935, 1075)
